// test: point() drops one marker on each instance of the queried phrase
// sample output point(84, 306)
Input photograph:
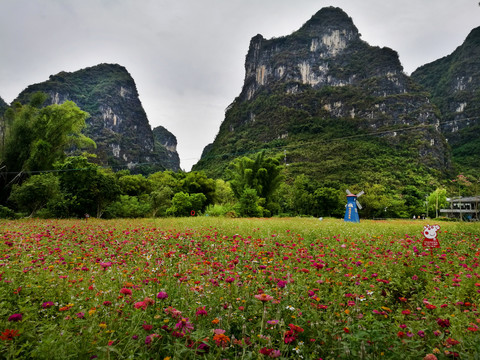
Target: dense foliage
point(35, 137)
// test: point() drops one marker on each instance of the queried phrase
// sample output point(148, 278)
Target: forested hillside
point(454, 84)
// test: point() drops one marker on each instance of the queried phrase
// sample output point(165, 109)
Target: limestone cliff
point(3, 106)
point(118, 123)
point(454, 83)
point(166, 146)
point(329, 100)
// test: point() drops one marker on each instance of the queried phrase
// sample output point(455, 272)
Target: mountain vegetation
point(454, 82)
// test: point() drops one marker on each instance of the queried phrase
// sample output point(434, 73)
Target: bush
point(6, 213)
point(226, 210)
point(128, 207)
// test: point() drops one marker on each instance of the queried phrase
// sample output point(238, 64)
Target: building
point(465, 208)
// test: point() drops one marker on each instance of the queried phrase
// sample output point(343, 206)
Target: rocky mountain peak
point(329, 20)
point(301, 87)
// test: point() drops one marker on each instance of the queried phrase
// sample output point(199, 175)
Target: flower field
point(206, 288)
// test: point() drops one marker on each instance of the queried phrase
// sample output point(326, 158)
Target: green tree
point(36, 192)
point(164, 186)
point(249, 204)
point(261, 174)
point(196, 182)
point(35, 137)
point(223, 193)
point(301, 198)
point(328, 202)
point(44, 134)
point(437, 200)
point(86, 187)
point(378, 202)
point(129, 207)
point(183, 204)
point(414, 201)
point(134, 185)
point(161, 200)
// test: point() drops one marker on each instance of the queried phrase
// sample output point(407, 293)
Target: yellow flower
point(102, 325)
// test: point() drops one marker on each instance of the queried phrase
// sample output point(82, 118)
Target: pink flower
point(263, 297)
point(184, 325)
point(141, 305)
point(162, 295)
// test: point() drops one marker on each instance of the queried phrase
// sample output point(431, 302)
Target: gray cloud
point(187, 56)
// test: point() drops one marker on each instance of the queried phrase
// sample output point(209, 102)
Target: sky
point(187, 57)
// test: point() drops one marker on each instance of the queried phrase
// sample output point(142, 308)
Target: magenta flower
point(47, 304)
point(184, 325)
point(15, 317)
point(201, 311)
point(80, 315)
point(162, 295)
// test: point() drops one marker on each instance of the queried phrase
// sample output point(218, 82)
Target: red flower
point(147, 327)
point(125, 291)
point(445, 323)
point(451, 341)
point(9, 334)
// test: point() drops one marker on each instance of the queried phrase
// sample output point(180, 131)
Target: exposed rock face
point(453, 82)
point(297, 87)
point(3, 106)
point(117, 123)
point(166, 147)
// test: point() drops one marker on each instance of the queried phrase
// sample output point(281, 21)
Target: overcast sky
point(187, 56)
